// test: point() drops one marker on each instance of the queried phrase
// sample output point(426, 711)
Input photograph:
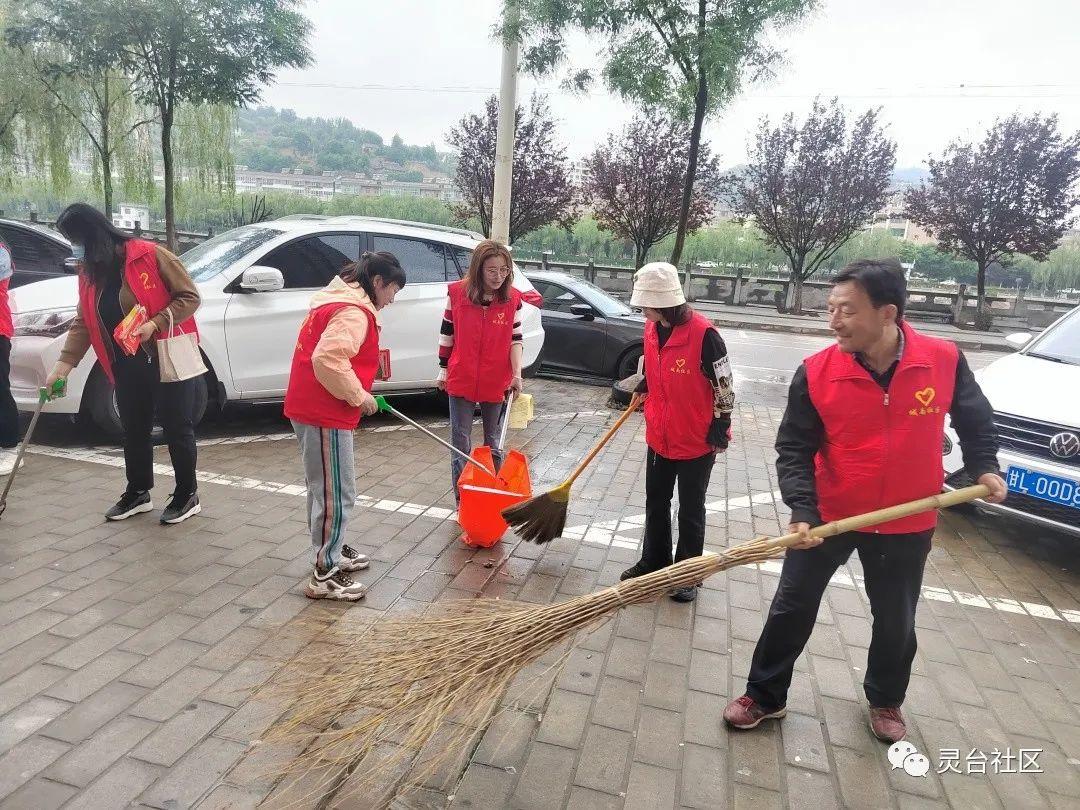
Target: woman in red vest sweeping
point(687, 417)
point(480, 348)
point(116, 273)
point(333, 368)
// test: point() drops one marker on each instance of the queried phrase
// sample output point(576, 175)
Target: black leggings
point(138, 390)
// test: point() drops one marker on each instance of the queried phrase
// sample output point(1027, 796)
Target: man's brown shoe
point(887, 724)
point(745, 713)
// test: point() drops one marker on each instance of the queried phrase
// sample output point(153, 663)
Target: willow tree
point(194, 52)
point(76, 61)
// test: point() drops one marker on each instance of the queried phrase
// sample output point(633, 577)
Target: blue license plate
point(1045, 487)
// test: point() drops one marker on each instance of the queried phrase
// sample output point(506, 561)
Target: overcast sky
point(938, 68)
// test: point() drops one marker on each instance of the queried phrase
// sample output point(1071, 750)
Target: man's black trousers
point(893, 570)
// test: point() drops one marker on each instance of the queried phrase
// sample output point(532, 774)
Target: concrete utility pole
point(504, 141)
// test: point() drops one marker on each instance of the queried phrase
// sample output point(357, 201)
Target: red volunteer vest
point(479, 368)
point(679, 407)
point(143, 278)
point(306, 400)
point(7, 327)
point(882, 448)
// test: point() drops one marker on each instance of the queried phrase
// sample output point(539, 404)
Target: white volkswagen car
point(256, 282)
point(1035, 394)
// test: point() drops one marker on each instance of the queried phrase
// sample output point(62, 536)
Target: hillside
point(271, 140)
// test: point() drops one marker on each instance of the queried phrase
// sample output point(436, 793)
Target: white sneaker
point(352, 560)
point(7, 461)
point(334, 584)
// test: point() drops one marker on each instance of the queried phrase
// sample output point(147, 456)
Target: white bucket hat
point(657, 285)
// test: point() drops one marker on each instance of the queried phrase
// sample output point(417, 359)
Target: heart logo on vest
point(926, 396)
point(680, 362)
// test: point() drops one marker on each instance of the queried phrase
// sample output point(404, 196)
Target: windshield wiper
point(1052, 359)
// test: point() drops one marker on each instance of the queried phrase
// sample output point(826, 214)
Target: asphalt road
point(764, 362)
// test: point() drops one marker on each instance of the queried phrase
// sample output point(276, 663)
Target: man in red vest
point(863, 429)
point(9, 414)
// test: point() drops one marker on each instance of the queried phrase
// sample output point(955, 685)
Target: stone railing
point(185, 239)
point(743, 289)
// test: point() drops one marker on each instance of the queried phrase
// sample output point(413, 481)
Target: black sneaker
point(635, 571)
point(130, 503)
point(687, 594)
point(177, 511)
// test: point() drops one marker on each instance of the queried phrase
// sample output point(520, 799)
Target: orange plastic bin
point(483, 497)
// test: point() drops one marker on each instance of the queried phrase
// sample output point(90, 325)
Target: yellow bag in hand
point(521, 411)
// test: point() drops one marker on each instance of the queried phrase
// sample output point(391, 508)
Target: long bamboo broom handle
point(634, 402)
point(902, 510)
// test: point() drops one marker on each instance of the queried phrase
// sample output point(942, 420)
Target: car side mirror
point(583, 311)
point(262, 279)
point(1018, 339)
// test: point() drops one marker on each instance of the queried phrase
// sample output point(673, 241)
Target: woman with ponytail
point(333, 368)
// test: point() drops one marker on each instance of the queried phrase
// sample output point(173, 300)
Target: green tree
point(30, 128)
point(688, 56)
point(78, 66)
point(199, 52)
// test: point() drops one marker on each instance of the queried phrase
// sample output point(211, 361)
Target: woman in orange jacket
point(333, 368)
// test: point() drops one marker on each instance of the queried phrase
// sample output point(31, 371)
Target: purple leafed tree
point(635, 182)
point(1013, 194)
point(542, 192)
point(810, 189)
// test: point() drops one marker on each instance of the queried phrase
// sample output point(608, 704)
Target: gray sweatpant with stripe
point(327, 454)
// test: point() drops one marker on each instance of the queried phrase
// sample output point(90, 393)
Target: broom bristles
point(405, 680)
point(540, 519)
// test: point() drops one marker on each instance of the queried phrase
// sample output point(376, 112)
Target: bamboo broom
point(408, 695)
point(542, 518)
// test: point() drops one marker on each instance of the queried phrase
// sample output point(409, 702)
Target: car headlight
point(44, 323)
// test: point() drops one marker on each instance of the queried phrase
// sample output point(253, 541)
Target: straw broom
point(542, 518)
point(410, 695)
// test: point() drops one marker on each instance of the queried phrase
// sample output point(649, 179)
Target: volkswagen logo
point(1065, 445)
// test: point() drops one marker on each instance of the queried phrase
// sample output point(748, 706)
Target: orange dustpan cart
point(484, 497)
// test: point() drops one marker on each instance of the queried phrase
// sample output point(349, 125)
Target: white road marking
point(607, 533)
point(241, 482)
point(286, 435)
point(602, 533)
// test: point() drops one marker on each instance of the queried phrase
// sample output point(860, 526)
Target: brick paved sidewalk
point(128, 651)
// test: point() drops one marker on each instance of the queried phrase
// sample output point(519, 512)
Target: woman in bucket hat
point(687, 417)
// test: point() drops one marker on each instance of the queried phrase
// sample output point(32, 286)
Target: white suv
point(256, 283)
point(1035, 394)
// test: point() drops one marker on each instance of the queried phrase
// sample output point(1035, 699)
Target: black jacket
point(801, 432)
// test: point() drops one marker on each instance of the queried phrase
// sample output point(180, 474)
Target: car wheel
point(534, 369)
point(628, 363)
point(623, 390)
point(100, 402)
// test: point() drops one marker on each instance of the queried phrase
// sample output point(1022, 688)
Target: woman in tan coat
point(116, 273)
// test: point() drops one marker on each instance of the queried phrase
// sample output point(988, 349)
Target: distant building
point(890, 219)
point(129, 216)
point(327, 185)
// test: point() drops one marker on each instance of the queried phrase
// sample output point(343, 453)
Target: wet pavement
point(129, 652)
